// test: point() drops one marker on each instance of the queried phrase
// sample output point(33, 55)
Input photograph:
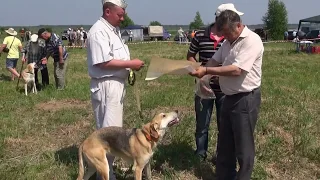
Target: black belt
point(243, 93)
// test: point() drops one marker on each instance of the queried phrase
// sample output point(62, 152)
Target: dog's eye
point(163, 115)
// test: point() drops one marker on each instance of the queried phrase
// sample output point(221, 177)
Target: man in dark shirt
point(58, 52)
point(206, 42)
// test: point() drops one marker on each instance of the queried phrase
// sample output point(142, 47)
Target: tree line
point(275, 20)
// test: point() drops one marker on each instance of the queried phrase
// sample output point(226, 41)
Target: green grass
point(40, 133)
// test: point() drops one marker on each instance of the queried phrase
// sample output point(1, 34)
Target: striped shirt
point(206, 45)
point(53, 47)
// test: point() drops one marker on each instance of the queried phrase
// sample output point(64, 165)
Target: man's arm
point(212, 63)
point(20, 48)
point(60, 54)
point(193, 50)
point(103, 57)
point(116, 64)
point(191, 57)
point(230, 70)
point(2, 47)
point(243, 62)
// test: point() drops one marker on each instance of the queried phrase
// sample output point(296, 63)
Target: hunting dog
point(136, 146)
point(29, 78)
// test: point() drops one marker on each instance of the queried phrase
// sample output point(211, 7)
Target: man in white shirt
point(130, 36)
point(181, 35)
point(240, 80)
point(81, 37)
point(108, 65)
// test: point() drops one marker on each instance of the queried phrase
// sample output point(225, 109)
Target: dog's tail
point(81, 167)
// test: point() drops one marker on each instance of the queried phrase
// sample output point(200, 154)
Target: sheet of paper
point(160, 66)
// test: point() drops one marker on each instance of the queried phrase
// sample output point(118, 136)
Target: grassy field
point(40, 133)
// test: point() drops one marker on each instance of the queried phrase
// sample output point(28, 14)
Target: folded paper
point(160, 66)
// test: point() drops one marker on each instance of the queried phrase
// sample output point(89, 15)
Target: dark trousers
point(203, 110)
point(44, 76)
point(239, 114)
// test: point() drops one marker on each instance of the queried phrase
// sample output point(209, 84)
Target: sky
point(167, 12)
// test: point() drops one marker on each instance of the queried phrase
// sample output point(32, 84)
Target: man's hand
point(136, 64)
point(204, 85)
point(199, 72)
point(61, 63)
point(23, 60)
point(44, 61)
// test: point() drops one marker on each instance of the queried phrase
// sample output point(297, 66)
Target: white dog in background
point(29, 78)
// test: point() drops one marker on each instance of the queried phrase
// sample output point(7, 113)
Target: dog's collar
point(149, 138)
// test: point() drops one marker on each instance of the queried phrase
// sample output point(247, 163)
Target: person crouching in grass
point(35, 52)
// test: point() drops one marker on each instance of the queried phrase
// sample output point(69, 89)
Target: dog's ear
point(153, 131)
point(30, 68)
point(146, 129)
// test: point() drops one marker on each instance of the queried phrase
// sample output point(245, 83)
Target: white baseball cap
point(120, 3)
point(227, 6)
point(34, 38)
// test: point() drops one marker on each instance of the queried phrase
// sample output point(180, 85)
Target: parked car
point(166, 35)
point(292, 34)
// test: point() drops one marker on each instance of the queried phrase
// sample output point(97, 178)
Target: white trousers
point(107, 96)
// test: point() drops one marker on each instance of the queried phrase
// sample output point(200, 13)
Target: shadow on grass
point(69, 157)
point(179, 156)
point(167, 159)
point(4, 77)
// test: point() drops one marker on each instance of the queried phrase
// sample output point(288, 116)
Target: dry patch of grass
point(61, 136)
point(56, 105)
point(293, 168)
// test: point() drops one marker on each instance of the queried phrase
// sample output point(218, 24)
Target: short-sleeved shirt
point(206, 45)
point(246, 53)
point(180, 33)
point(14, 50)
point(52, 46)
point(104, 43)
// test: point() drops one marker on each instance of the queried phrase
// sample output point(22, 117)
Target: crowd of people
point(77, 37)
point(37, 49)
point(230, 54)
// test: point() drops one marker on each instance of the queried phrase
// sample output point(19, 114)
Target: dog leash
point(132, 81)
point(19, 76)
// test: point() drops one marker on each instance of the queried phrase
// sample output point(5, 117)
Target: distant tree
point(127, 21)
point(155, 23)
point(197, 22)
point(276, 19)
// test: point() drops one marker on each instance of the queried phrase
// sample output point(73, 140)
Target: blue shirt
point(52, 46)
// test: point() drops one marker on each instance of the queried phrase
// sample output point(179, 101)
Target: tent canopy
point(314, 19)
